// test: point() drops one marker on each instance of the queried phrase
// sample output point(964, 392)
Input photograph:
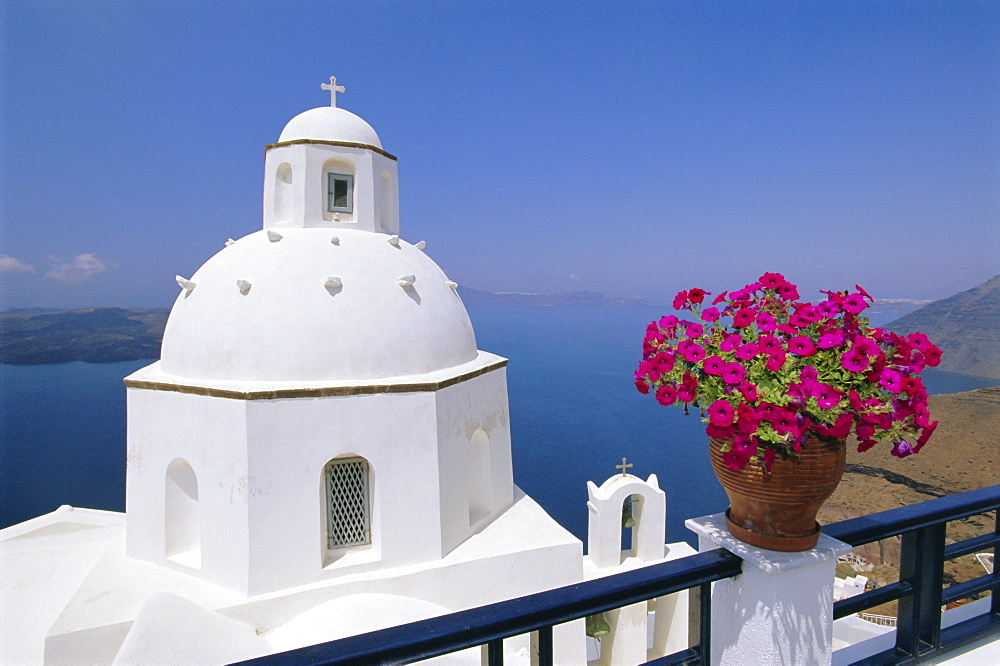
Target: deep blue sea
point(574, 414)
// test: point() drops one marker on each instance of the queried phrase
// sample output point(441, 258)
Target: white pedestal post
point(780, 609)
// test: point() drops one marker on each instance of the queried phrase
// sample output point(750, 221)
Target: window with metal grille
point(347, 512)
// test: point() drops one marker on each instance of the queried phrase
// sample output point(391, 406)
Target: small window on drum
point(348, 516)
point(339, 193)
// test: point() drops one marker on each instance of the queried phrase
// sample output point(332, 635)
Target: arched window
point(348, 503)
point(182, 529)
point(338, 189)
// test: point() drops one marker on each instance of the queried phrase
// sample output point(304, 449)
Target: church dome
point(290, 305)
point(329, 123)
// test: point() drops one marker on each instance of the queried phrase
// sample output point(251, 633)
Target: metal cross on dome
point(334, 89)
point(624, 466)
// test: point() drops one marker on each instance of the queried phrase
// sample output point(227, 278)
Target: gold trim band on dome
point(346, 144)
point(320, 392)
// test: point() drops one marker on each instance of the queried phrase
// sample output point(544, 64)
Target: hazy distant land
point(572, 299)
point(110, 335)
point(965, 326)
point(94, 335)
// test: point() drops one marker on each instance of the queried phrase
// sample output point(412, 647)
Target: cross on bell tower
point(624, 466)
point(334, 89)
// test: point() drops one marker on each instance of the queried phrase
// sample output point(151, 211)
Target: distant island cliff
point(572, 299)
point(112, 335)
point(94, 335)
point(965, 326)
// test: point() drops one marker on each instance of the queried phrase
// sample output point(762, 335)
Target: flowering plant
point(768, 371)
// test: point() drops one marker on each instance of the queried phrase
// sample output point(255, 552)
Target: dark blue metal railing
point(919, 592)
point(489, 625)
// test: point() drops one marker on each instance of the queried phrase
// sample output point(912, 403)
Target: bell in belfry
point(597, 626)
point(627, 519)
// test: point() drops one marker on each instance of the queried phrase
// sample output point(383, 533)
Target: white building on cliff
point(321, 451)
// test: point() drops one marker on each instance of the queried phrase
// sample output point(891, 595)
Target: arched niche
point(181, 520)
point(283, 194)
point(480, 477)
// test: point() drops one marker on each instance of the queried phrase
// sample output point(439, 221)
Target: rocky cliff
point(965, 326)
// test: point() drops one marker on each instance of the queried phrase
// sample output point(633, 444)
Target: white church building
point(320, 451)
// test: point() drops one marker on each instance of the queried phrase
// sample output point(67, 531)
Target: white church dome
point(290, 305)
point(329, 123)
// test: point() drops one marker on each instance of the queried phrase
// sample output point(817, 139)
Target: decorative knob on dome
point(186, 285)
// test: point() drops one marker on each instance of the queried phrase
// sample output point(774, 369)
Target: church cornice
point(314, 392)
point(347, 144)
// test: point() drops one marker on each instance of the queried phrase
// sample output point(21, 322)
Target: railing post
point(494, 652)
point(921, 563)
point(544, 644)
point(705, 622)
point(995, 605)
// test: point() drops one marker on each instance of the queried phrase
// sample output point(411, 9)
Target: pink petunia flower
point(766, 321)
point(866, 345)
point(691, 351)
point(854, 303)
point(771, 280)
point(890, 380)
point(734, 373)
point(932, 355)
point(688, 388)
point(746, 352)
point(721, 413)
point(801, 346)
point(697, 295)
point(680, 300)
point(694, 330)
point(714, 365)
point(664, 362)
point(769, 345)
point(643, 388)
point(924, 436)
point(730, 342)
point(828, 397)
point(737, 457)
point(775, 362)
point(866, 444)
point(743, 318)
point(749, 391)
point(718, 299)
point(855, 361)
point(901, 448)
point(710, 314)
point(788, 292)
point(828, 309)
point(666, 395)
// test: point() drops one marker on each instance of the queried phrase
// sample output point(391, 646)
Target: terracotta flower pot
point(777, 510)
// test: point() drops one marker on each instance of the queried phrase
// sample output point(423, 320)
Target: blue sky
point(632, 148)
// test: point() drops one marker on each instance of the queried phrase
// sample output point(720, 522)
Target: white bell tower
point(328, 169)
